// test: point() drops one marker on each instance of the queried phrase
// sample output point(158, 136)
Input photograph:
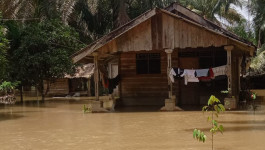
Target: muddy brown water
point(63, 126)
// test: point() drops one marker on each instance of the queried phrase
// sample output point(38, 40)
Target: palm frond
point(232, 16)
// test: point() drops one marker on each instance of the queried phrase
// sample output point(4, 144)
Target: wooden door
point(189, 94)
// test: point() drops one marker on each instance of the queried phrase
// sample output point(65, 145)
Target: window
point(148, 63)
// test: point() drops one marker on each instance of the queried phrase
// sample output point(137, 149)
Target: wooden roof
point(156, 29)
point(193, 16)
point(84, 71)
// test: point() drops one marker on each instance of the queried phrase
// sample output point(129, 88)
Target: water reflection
point(8, 116)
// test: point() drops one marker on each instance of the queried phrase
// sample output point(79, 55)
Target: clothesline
point(196, 75)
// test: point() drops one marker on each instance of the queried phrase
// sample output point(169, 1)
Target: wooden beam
point(96, 75)
point(229, 68)
point(169, 66)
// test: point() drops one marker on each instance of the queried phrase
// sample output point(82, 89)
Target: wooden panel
point(144, 89)
point(156, 32)
point(164, 31)
point(168, 31)
point(235, 74)
point(138, 38)
point(59, 87)
point(189, 36)
point(123, 42)
point(201, 39)
point(194, 36)
point(182, 33)
point(177, 33)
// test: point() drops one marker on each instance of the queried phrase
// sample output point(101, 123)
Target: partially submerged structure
point(77, 84)
point(147, 47)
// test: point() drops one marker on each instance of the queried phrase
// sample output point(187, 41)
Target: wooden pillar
point(119, 72)
point(229, 68)
point(96, 75)
point(239, 72)
point(88, 87)
point(169, 66)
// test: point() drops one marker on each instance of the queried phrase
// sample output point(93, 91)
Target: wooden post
point(96, 74)
point(229, 68)
point(239, 72)
point(169, 66)
point(88, 87)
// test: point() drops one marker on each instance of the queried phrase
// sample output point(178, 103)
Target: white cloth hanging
point(171, 74)
point(189, 76)
point(221, 70)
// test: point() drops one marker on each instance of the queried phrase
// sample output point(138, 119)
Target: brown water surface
point(63, 126)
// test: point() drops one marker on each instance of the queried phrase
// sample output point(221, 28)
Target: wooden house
point(148, 46)
point(77, 84)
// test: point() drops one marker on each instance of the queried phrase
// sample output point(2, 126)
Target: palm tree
point(213, 8)
point(42, 9)
point(258, 10)
point(3, 51)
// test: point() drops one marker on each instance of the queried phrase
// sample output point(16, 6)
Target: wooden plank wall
point(59, 88)
point(144, 89)
point(164, 31)
point(235, 73)
point(178, 33)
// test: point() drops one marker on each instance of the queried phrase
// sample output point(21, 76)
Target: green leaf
point(204, 138)
point(216, 108)
point(215, 123)
point(205, 108)
point(210, 101)
point(221, 106)
point(221, 129)
point(198, 133)
point(195, 133)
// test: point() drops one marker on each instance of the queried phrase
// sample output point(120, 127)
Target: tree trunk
point(259, 40)
point(40, 87)
point(121, 13)
point(47, 88)
point(21, 93)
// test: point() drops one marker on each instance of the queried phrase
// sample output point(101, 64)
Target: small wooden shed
point(72, 84)
point(148, 46)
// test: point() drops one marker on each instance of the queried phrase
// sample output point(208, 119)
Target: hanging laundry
point(104, 80)
point(175, 73)
point(179, 72)
point(218, 71)
point(171, 74)
point(113, 83)
point(189, 76)
point(202, 72)
point(209, 77)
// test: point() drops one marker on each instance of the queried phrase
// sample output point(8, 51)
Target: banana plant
point(8, 87)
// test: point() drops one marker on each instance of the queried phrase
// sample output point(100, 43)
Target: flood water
point(63, 126)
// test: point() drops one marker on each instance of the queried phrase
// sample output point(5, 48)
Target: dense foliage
point(44, 52)
point(3, 51)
